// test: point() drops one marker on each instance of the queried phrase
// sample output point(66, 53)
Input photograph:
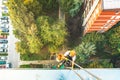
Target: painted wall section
point(37, 74)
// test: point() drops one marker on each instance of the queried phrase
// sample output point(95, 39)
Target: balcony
point(102, 15)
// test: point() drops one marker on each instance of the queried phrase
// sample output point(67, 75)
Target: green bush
point(30, 57)
point(32, 66)
point(25, 66)
point(3, 54)
point(100, 64)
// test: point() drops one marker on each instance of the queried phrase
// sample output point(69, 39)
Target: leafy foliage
point(101, 64)
point(98, 39)
point(107, 45)
point(75, 8)
point(34, 6)
point(35, 44)
point(52, 33)
point(70, 6)
point(84, 51)
point(49, 7)
point(20, 21)
point(35, 35)
point(114, 39)
point(22, 25)
point(22, 47)
point(30, 57)
point(93, 37)
point(66, 5)
point(32, 66)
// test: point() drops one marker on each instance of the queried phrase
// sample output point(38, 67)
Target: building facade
point(100, 15)
point(4, 32)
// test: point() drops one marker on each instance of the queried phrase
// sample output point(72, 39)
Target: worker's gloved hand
point(66, 58)
point(58, 66)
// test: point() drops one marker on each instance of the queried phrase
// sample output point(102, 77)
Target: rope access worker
point(67, 58)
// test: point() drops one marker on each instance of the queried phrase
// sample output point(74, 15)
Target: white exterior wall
point(37, 74)
point(111, 4)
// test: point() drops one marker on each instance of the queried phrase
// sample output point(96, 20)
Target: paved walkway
point(13, 56)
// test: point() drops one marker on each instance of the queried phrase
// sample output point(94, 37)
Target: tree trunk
point(61, 14)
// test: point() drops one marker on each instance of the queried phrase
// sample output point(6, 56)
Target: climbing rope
point(81, 78)
point(86, 70)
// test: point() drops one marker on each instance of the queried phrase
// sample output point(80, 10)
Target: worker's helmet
point(72, 53)
point(60, 57)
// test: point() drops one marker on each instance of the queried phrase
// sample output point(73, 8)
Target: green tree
point(114, 39)
point(100, 64)
point(70, 6)
point(22, 47)
point(107, 45)
point(52, 33)
point(99, 40)
point(65, 5)
point(45, 32)
point(22, 21)
point(49, 7)
point(37, 26)
point(113, 43)
point(93, 37)
point(84, 51)
point(34, 6)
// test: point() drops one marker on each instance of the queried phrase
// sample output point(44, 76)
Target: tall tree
point(71, 7)
point(51, 32)
point(114, 39)
point(84, 51)
point(35, 33)
point(22, 20)
point(34, 6)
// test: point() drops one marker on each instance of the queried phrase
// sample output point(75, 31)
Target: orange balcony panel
point(103, 18)
point(106, 16)
point(98, 24)
point(100, 21)
point(90, 31)
point(95, 28)
point(108, 13)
